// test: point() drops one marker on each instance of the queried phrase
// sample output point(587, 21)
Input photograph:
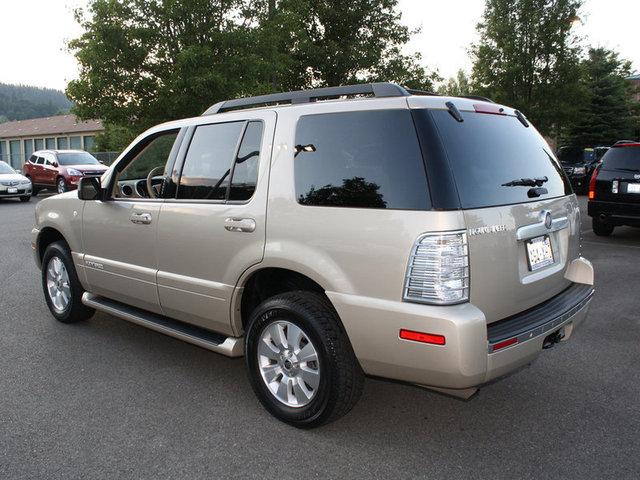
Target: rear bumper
point(467, 360)
point(615, 213)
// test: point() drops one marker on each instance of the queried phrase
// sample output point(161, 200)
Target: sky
point(34, 34)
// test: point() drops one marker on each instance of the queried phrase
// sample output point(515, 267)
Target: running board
point(229, 346)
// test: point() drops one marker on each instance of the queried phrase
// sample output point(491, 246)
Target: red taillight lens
point(505, 343)
point(592, 184)
point(422, 337)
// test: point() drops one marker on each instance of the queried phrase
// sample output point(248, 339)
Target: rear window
point(368, 159)
point(487, 151)
point(622, 158)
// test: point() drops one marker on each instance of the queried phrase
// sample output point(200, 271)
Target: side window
point(152, 155)
point(368, 159)
point(245, 170)
point(32, 159)
point(207, 167)
point(40, 160)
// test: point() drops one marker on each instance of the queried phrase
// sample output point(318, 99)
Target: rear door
point(521, 235)
point(618, 179)
point(215, 227)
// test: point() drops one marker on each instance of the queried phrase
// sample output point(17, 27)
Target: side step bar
point(229, 346)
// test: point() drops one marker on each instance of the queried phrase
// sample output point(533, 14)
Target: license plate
point(539, 252)
point(12, 190)
point(633, 188)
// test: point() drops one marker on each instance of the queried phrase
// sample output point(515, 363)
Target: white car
point(14, 184)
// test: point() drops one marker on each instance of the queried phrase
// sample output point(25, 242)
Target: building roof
point(635, 76)
point(56, 125)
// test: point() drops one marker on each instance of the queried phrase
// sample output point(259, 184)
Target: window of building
point(368, 159)
point(63, 143)
point(245, 171)
point(3, 151)
point(89, 142)
point(75, 143)
point(15, 154)
point(38, 144)
point(207, 166)
point(50, 143)
point(28, 147)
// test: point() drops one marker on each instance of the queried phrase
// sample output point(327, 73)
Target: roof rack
point(378, 90)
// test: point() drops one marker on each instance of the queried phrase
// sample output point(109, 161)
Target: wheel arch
point(46, 237)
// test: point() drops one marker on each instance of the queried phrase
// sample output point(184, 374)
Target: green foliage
point(143, 62)
point(19, 102)
point(608, 114)
point(528, 57)
point(114, 138)
point(457, 86)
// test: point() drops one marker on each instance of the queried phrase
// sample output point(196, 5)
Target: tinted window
point(360, 159)
point(207, 166)
point(245, 171)
point(487, 151)
point(40, 160)
point(77, 158)
point(33, 159)
point(625, 158)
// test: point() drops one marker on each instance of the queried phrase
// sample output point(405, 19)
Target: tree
point(143, 62)
point(528, 57)
point(608, 113)
point(456, 86)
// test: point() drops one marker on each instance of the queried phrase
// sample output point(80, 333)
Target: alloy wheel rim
point(58, 287)
point(288, 363)
point(61, 186)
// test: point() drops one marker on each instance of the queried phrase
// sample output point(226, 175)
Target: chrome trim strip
point(556, 322)
point(537, 229)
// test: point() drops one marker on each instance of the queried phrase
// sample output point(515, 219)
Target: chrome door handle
point(240, 224)
point(141, 218)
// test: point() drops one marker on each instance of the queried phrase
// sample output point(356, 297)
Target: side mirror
point(55, 164)
point(89, 188)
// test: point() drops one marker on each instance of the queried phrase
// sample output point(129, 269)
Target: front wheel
point(61, 185)
point(600, 228)
point(300, 361)
point(25, 199)
point(62, 289)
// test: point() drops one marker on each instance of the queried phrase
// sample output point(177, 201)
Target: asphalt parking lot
point(108, 399)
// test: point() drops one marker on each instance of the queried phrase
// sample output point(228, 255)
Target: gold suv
point(330, 234)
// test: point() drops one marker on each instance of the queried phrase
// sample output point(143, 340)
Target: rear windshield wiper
point(526, 182)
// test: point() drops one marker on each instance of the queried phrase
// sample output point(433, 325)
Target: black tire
point(600, 228)
point(341, 378)
point(25, 199)
point(61, 185)
point(34, 190)
point(75, 310)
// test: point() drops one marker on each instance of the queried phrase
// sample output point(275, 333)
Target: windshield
point(496, 160)
point(77, 158)
point(5, 169)
point(622, 158)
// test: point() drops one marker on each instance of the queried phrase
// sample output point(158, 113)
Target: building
point(19, 139)
point(635, 81)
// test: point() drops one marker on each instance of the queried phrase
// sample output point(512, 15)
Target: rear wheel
point(300, 362)
point(602, 229)
point(62, 289)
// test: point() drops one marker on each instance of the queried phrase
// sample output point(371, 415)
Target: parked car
point(328, 234)
point(579, 163)
point(60, 169)
point(614, 190)
point(13, 184)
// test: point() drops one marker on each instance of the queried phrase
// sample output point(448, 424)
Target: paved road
point(108, 399)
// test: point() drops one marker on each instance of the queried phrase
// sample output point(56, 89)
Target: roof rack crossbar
point(378, 90)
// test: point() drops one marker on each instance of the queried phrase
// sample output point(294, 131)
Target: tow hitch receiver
point(555, 337)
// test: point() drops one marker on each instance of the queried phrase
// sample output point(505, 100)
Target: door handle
point(240, 224)
point(141, 218)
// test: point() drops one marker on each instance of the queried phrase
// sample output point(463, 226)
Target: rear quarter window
point(487, 151)
point(367, 159)
point(622, 158)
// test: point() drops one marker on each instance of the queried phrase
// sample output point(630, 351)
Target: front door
point(215, 227)
point(48, 174)
point(119, 234)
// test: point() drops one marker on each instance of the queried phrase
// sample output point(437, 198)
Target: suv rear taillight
point(438, 271)
point(592, 184)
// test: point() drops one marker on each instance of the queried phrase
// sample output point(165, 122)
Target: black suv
point(614, 190)
point(579, 163)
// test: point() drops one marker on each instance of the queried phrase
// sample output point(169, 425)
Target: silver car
point(14, 184)
point(327, 235)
